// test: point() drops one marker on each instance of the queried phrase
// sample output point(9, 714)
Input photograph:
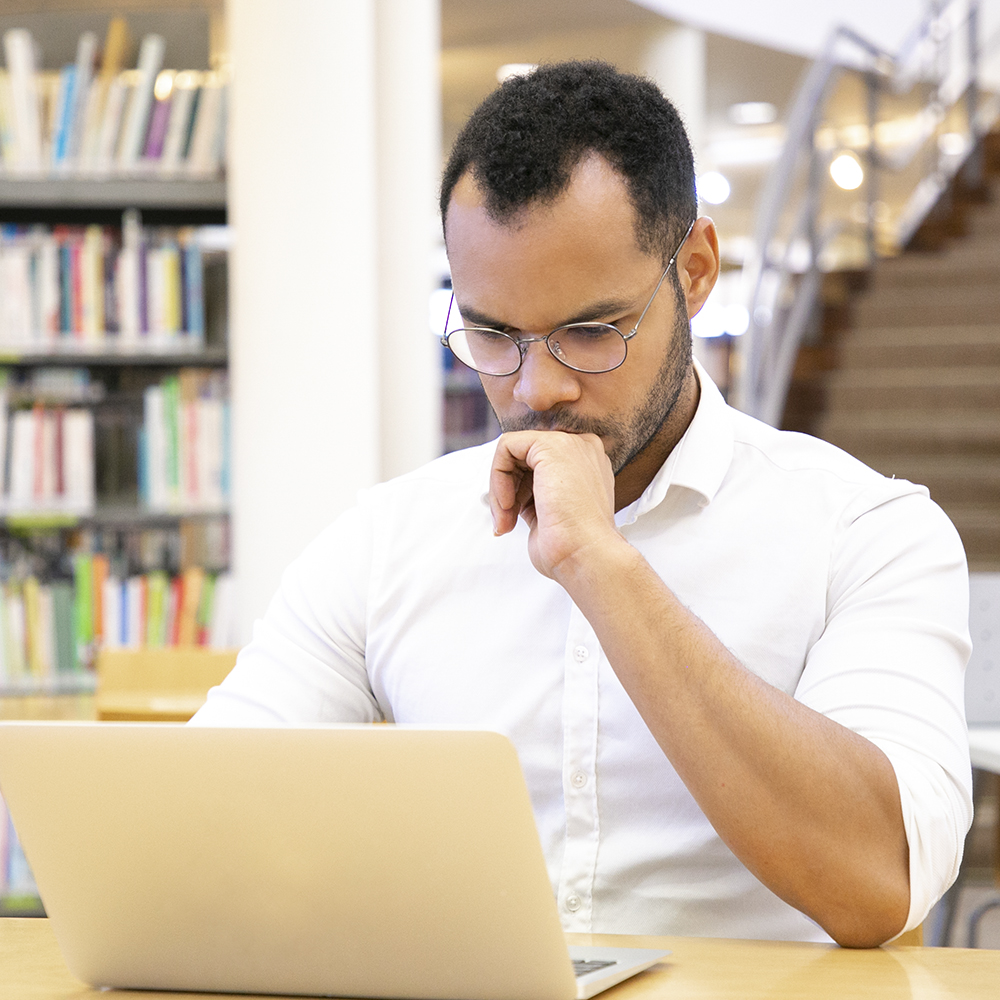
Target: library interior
point(224, 301)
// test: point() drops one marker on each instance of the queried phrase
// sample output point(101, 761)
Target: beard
point(626, 435)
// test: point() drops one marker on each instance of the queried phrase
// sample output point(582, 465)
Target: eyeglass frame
point(523, 343)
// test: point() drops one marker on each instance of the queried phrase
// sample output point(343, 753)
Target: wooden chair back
point(157, 685)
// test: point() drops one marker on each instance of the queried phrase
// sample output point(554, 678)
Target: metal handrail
point(782, 289)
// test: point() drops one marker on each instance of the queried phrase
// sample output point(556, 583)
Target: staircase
point(913, 381)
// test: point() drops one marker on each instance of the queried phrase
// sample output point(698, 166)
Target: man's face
point(565, 261)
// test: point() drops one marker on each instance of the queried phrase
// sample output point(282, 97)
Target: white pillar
point(303, 349)
point(333, 160)
point(675, 59)
point(409, 156)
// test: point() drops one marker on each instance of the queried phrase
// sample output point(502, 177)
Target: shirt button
point(573, 903)
point(580, 653)
point(578, 779)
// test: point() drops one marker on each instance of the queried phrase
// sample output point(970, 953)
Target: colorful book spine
point(159, 121)
point(51, 630)
point(98, 286)
point(64, 115)
point(83, 606)
point(119, 121)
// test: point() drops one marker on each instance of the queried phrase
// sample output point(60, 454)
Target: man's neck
point(632, 480)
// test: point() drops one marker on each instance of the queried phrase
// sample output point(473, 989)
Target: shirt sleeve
point(306, 662)
point(890, 665)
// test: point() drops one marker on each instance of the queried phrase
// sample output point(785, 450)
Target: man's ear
point(698, 264)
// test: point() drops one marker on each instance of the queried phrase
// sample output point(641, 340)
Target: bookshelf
point(83, 193)
point(468, 419)
point(105, 146)
point(115, 211)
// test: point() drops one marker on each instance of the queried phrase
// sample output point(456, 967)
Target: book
point(136, 124)
point(97, 284)
point(15, 634)
point(45, 298)
point(63, 117)
point(159, 120)
point(19, 50)
point(66, 661)
point(51, 460)
point(15, 287)
point(83, 606)
point(7, 148)
point(78, 461)
point(193, 282)
point(38, 666)
point(99, 568)
point(86, 53)
point(207, 137)
point(112, 63)
point(92, 319)
point(178, 133)
point(157, 610)
point(111, 121)
point(192, 585)
point(50, 629)
point(135, 612)
point(49, 84)
point(21, 493)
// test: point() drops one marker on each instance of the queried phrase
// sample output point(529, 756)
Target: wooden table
point(31, 968)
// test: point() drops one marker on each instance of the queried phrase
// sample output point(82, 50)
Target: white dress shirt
point(842, 588)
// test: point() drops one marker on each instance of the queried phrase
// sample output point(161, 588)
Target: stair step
point(979, 527)
point(906, 337)
point(932, 312)
point(985, 223)
point(950, 478)
point(949, 269)
point(917, 390)
point(914, 388)
point(859, 352)
point(931, 295)
point(911, 432)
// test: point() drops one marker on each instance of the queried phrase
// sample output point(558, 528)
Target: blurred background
point(223, 284)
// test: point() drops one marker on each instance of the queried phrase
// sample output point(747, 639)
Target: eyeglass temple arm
point(447, 319)
point(670, 264)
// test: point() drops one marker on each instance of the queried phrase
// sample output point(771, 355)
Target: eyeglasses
point(592, 348)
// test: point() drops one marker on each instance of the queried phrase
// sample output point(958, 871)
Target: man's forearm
point(811, 808)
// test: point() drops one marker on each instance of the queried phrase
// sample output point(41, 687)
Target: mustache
point(570, 423)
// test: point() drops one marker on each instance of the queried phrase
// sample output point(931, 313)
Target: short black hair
point(524, 140)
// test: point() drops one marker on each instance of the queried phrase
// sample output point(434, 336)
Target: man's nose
point(542, 382)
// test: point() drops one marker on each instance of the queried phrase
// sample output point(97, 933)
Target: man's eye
point(597, 331)
point(485, 334)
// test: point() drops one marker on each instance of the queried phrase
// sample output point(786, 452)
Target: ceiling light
point(753, 113)
point(713, 187)
point(846, 172)
point(751, 150)
point(507, 70)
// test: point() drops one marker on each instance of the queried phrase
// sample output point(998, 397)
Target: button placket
point(580, 718)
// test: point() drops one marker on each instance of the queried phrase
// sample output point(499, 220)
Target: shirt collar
point(699, 461)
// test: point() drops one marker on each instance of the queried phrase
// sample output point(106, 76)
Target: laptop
point(353, 861)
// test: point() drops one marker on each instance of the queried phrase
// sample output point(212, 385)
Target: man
point(730, 658)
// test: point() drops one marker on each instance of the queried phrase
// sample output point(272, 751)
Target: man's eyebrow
point(596, 311)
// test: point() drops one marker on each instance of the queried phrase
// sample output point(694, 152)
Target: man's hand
point(563, 486)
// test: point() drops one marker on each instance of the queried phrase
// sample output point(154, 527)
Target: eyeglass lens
point(586, 347)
